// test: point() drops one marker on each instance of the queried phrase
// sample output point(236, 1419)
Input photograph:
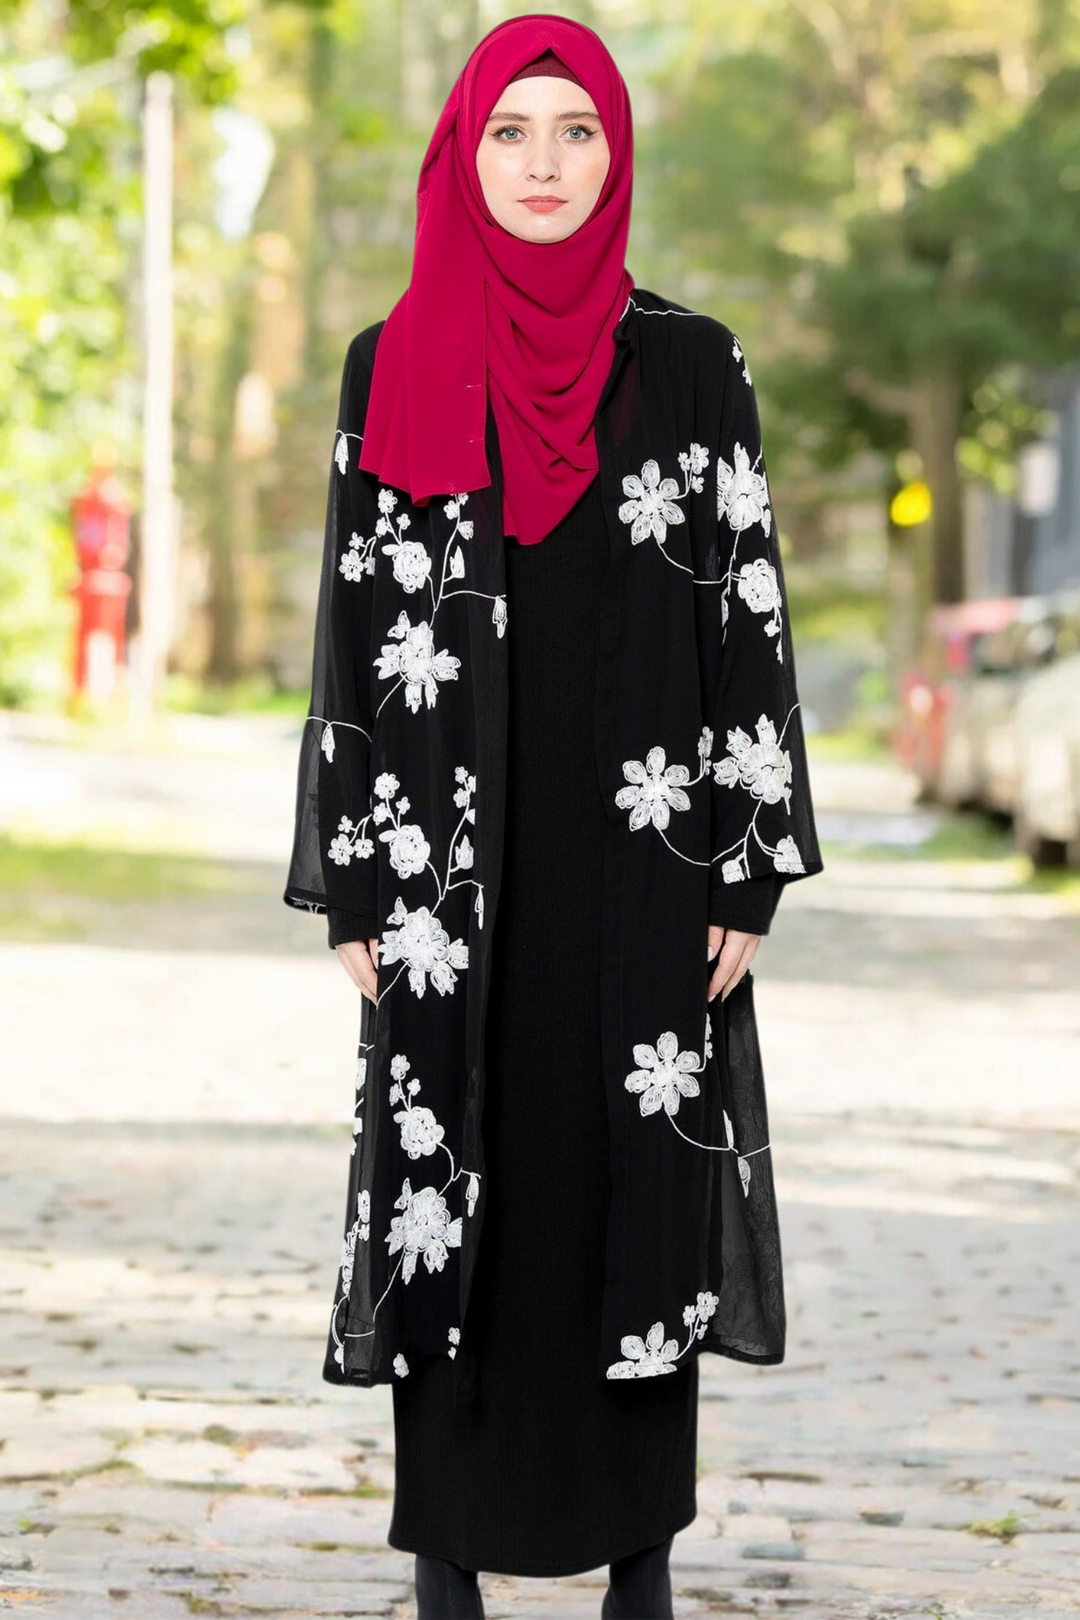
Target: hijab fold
point(488, 316)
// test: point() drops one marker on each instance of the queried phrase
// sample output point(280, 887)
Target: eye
point(584, 130)
point(507, 129)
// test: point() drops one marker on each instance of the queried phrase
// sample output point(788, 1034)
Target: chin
point(543, 228)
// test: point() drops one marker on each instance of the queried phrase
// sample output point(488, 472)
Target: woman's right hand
point(360, 958)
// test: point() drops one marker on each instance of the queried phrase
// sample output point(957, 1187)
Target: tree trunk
point(935, 428)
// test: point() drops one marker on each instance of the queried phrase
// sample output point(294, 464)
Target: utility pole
point(158, 529)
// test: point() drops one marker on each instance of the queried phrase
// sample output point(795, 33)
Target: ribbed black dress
point(551, 1470)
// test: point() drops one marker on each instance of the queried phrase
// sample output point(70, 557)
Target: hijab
point(488, 316)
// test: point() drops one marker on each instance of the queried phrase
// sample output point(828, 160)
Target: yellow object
point(911, 505)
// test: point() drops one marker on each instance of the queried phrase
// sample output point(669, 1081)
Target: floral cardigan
point(399, 833)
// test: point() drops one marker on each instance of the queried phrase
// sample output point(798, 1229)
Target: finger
point(368, 981)
point(348, 959)
point(735, 958)
point(730, 952)
point(744, 962)
point(356, 959)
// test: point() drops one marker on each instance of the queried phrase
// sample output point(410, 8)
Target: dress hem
point(534, 1572)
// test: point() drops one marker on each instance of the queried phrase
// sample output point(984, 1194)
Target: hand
point(360, 958)
point(737, 951)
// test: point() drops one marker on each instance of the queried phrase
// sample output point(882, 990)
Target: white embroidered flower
point(348, 1255)
point(732, 871)
point(787, 857)
point(456, 569)
point(409, 849)
point(341, 451)
point(401, 1366)
point(654, 790)
point(705, 743)
point(738, 355)
point(386, 785)
point(412, 565)
point(363, 1213)
point(464, 793)
point(424, 1230)
point(472, 1192)
point(498, 616)
point(454, 1335)
point(326, 742)
point(463, 854)
point(359, 559)
point(417, 662)
point(452, 510)
point(421, 1132)
point(348, 843)
point(743, 1164)
point(422, 942)
point(693, 462)
point(652, 504)
point(665, 1074)
point(645, 1360)
point(763, 766)
point(697, 1315)
point(742, 495)
point(387, 501)
point(758, 586)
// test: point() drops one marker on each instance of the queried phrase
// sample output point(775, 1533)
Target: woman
point(551, 581)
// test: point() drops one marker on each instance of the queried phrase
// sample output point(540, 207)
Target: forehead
point(541, 93)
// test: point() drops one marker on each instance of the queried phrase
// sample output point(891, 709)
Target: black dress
point(550, 1470)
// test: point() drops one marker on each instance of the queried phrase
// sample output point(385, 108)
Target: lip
point(541, 204)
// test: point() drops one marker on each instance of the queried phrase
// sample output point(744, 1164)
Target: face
point(542, 158)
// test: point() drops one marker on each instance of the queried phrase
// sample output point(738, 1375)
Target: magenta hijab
point(487, 315)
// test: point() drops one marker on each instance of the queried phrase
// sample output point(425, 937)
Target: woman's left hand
point(736, 953)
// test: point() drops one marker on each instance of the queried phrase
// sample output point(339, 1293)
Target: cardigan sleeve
point(343, 926)
point(762, 815)
point(748, 906)
point(332, 866)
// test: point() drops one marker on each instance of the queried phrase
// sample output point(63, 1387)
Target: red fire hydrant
point(101, 524)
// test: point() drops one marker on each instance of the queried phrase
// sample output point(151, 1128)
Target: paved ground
point(176, 1097)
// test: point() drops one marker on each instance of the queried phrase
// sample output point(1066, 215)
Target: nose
point(543, 162)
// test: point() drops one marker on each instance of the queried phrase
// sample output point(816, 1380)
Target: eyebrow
point(526, 118)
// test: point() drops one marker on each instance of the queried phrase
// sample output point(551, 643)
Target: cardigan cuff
point(748, 906)
point(345, 925)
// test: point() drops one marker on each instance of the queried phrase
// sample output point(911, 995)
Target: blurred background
point(200, 204)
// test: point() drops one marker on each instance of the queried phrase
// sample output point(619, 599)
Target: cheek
point(595, 164)
point(491, 167)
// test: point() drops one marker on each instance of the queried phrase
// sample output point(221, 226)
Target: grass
point(864, 742)
point(254, 694)
point(32, 869)
point(1006, 1529)
point(827, 607)
point(972, 838)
